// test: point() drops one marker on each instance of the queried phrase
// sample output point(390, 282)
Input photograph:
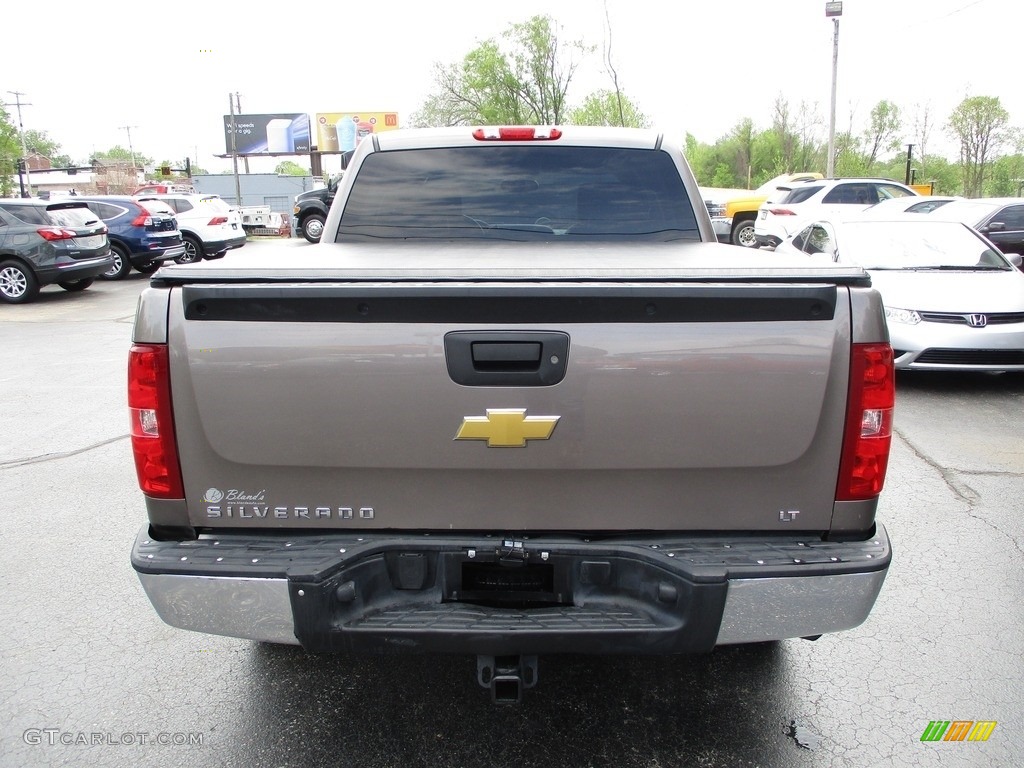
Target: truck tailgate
point(659, 405)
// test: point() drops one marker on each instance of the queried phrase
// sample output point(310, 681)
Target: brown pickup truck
point(517, 402)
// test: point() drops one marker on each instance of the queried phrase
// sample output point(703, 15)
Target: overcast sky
point(90, 69)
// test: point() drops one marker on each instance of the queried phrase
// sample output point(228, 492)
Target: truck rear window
point(518, 193)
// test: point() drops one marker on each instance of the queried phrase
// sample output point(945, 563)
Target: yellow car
point(733, 211)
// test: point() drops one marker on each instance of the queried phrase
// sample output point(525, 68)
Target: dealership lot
point(92, 676)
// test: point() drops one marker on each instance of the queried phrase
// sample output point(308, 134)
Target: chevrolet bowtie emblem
point(506, 427)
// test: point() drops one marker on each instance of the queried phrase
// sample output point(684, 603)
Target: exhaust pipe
point(506, 676)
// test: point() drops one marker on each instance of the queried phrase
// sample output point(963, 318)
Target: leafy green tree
point(40, 143)
point(1007, 176)
point(521, 82)
point(10, 151)
point(117, 155)
point(980, 124)
point(290, 168)
point(883, 132)
point(608, 108)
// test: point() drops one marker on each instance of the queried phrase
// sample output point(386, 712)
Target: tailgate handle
point(506, 355)
point(506, 358)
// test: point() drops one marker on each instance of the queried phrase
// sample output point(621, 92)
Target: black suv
point(142, 233)
point(44, 242)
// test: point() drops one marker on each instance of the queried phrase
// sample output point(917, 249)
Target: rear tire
point(17, 283)
point(76, 285)
point(313, 227)
point(121, 266)
point(743, 234)
point(193, 251)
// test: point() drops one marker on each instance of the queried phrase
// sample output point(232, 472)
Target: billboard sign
point(341, 131)
point(285, 133)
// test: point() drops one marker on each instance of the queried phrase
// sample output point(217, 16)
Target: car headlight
point(905, 316)
point(715, 209)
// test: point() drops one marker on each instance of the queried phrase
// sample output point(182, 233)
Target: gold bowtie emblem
point(506, 427)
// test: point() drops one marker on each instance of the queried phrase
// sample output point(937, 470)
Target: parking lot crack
point(964, 492)
point(10, 463)
point(949, 476)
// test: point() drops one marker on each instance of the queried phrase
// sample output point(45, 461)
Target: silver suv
point(209, 226)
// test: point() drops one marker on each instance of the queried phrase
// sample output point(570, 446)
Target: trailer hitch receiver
point(506, 676)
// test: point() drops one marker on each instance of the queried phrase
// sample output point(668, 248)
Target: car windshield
point(917, 246)
point(967, 211)
point(156, 206)
point(519, 192)
point(799, 195)
point(215, 203)
point(78, 215)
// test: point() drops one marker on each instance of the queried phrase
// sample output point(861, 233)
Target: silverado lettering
point(594, 428)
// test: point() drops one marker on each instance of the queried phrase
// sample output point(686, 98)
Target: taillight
point(868, 433)
point(517, 133)
point(56, 233)
point(152, 423)
point(781, 212)
point(142, 220)
point(218, 220)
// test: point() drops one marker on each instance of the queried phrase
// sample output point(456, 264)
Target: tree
point(290, 168)
point(521, 82)
point(979, 123)
point(608, 108)
point(923, 125)
point(40, 143)
point(882, 132)
point(10, 152)
point(118, 155)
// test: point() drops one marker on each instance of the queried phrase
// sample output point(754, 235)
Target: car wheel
point(121, 266)
point(17, 283)
point(149, 267)
point(743, 234)
point(313, 227)
point(76, 285)
point(193, 251)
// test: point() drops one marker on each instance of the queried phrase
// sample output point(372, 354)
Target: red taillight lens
point(218, 220)
point(56, 233)
point(781, 212)
point(868, 436)
point(152, 423)
point(142, 220)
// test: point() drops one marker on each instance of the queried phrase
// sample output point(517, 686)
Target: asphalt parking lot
point(91, 676)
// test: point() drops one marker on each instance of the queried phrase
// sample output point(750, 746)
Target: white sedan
point(952, 300)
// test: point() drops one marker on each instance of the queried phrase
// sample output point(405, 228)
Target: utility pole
point(135, 175)
point(238, 111)
point(24, 148)
point(234, 151)
point(833, 10)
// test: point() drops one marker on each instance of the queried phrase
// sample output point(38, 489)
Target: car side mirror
point(995, 226)
point(1016, 259)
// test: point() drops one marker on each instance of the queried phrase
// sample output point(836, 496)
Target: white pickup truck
point(518, 401)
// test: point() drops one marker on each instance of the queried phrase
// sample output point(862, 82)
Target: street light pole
point(234, 150)
point(833, 10)
point(24, 147)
